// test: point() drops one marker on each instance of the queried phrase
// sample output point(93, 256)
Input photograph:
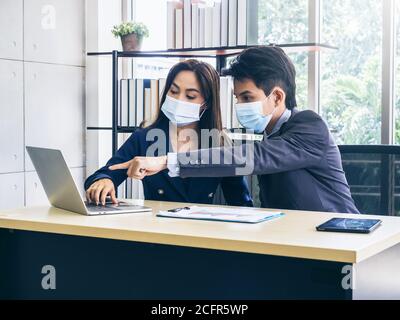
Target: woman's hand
point(99, 190)
point(140, 167)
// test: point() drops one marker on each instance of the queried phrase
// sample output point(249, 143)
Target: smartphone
point(350, 225)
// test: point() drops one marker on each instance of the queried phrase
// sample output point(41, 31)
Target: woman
point(190, 103)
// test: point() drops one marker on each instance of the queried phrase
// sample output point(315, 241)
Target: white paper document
point(242, 215)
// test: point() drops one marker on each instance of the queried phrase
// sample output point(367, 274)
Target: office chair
point(373, 173)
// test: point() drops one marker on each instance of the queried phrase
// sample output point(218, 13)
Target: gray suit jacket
point(299, 167)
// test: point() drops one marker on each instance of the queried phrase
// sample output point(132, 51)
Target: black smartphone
point(350, 225)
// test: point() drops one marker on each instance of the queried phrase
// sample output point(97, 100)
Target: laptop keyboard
point(95, 208)
point(102, 208)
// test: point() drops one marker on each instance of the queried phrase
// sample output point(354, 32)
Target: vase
point(131, 42)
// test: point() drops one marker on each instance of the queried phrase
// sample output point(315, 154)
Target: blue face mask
point(180, 112)
point(250, 116)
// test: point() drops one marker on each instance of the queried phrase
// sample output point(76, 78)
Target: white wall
point(101, 16)
point(42, 92)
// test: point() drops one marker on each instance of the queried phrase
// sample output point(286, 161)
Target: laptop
point(61, 189)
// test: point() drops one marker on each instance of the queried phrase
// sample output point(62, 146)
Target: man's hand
point(140, 167)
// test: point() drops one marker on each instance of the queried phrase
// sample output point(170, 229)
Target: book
point(224, 23)
point(170, 25)
point(122, 187)
point(139, 101)
point(119, 103)
point(179, 29)
point(224, 102)
point(216, 42)
point(202, 21)
point(235, 122)
point(247, 22)
point(242, 22)
point(154, 101)
point(233, 16)
point(137, 190)
point(195, 25)
point(124, 94)
point(132, 103)
point(128, 189)
point(147, 103)
point(161, 86)
point(252, 22)
point(208, 27)
point(141, 191)
point(125, 188)
point(172, 5)
point(241, 215)
point(143, 84)
point(187, 24)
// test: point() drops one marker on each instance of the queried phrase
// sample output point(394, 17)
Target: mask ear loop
point(276, 105)
point(204, 110)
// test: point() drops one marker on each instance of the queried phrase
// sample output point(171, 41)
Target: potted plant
point(131, 34)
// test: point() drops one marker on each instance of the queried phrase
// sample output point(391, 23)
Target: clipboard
point(238, 215)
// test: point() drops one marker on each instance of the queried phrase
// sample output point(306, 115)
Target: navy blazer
point(162, 187)
point(299, 167)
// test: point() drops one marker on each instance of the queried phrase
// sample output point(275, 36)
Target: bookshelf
point(219, 53)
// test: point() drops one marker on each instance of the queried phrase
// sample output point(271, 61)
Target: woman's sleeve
point(236, 192)
point(129, 150)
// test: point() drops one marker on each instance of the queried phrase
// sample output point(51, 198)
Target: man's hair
point(268, 67)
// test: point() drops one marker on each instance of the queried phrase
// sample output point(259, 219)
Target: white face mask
point(180, 112)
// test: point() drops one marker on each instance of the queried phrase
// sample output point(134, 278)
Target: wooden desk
point(140, 255)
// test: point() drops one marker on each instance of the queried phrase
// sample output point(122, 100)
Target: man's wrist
point(164, 162)
point(172, 164)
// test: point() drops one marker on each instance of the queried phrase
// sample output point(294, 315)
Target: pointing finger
point(120, 166)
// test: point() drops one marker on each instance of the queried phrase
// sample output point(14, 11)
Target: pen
point(179, 209)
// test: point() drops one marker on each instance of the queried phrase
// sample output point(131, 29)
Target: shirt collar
point(283, 119)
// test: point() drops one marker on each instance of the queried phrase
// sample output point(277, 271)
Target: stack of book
point(140, 101)
point(225, 23)
point(131, 188)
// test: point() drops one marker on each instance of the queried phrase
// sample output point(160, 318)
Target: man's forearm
point(216, 162)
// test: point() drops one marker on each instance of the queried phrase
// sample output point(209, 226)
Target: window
point(397, 83)
point(279, 22)
point(154, 19)
point(286, 21)
point(351, 76)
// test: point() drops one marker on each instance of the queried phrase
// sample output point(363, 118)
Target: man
point(298, 163)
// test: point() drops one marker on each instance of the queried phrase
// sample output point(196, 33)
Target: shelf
point(218, 53)
point(127, 129)
point(234, 134)
point(119, 129)
point(213, 52)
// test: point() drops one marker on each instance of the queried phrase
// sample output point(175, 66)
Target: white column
point(314, 27)
point(388, 70)
point(101, 16)
point(127, 15)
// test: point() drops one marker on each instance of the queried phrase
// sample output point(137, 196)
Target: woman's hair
point(208, 79)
